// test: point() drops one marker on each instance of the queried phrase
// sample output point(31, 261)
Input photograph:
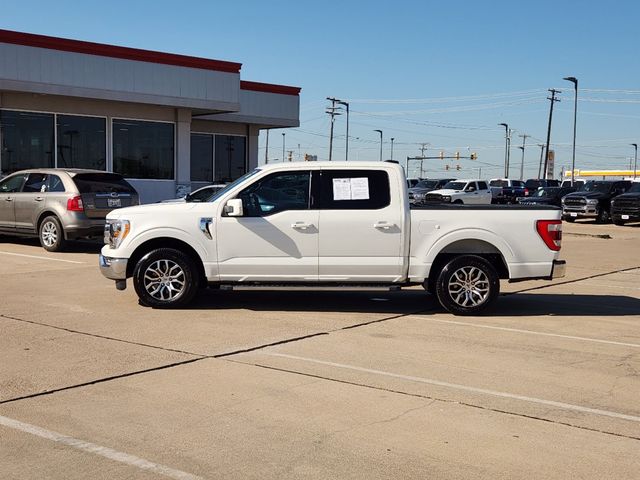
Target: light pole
point(283, 146)
point(541, 145)
point(380, 132)
point(574, 80)
point(346, 148)
point(266, 150)
point(506, 149)
point(524, 140)
point(635, 161)
point(392, 139)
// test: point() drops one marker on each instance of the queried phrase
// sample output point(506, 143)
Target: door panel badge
point(205, 224)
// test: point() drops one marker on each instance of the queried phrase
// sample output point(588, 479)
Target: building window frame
point(213, 159)
point(55, 132)
point(175, 140)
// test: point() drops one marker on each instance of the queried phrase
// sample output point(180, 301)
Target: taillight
point(526, 192)
point(75, 204)
point(551, 233)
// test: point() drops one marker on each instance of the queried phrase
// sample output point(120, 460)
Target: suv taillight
point(551, 233)
point(75, 204)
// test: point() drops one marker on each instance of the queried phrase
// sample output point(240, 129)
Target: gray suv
point(58, 204)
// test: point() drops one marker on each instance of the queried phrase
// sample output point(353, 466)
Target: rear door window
point(54, 184)
point(353, 190)
point(482, 185)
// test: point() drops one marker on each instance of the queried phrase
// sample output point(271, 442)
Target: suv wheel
point(165, 278)
point(467, 285)
point(51, 234)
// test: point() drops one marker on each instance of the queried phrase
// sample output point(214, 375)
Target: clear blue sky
point(445, 73)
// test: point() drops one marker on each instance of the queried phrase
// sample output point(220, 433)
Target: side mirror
point(233, 208)
point(471, 189)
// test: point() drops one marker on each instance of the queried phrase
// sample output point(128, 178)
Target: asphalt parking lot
point(321, 384)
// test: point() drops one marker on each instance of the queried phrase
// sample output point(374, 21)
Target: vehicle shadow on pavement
point(76, 246)
point(531, 304)
point(361, 301)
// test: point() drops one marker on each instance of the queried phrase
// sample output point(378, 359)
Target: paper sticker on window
point(351, 188)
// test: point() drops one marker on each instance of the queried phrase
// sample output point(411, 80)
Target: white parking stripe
point(466, 388)
point(106, 452)
point(533, 332)
point(40, 258)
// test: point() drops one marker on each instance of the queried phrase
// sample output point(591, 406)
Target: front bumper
point(586, 211)
point(558, 269)
point(113, 268)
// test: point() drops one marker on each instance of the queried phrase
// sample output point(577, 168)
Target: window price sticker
point(351, 188)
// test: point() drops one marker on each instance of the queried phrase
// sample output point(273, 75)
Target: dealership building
point(169, 123)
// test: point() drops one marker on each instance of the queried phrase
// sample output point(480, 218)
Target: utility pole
point(541, 145)
point(524, 140)
point(332, 111)
point(266, 150)
point(553, 100)
point(346, 145)
point(423, 147)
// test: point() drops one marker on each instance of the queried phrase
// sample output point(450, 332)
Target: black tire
point(467, 285)
point(165, 278)
point(603, 216)
point(51, 234)
point(618, 221)
point(458, 202)
point(569, 219)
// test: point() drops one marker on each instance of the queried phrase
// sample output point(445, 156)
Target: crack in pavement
point(576, 280)
point(174, 364)
point(444, 400)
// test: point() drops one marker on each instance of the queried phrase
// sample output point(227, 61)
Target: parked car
point(546, 196)
point(578, 183)
point(505, 190)
point(199, 195)
point(535, 183)
point(57, 204)
point(286, 224)
point(417, 193)
point(412, 182)
point(593, 200)
point(626, 207)
point(471, 192)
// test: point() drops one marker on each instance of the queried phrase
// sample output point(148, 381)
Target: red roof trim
point(100, 49)
point(269, 88)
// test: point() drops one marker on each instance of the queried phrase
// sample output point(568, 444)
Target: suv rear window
point(102, 182)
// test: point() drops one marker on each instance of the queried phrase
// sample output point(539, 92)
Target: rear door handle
point(382, 225)
point(301, 225)
point(39, 199)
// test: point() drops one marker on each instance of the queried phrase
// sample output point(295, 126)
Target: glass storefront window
point(27, 140)
point(143, 149)
point(230, 161)
point(201, 157)
point(81, 142)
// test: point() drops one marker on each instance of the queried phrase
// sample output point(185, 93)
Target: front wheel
point(467, 285)
point(51, 234)
point(603, 216)
point(165, 278)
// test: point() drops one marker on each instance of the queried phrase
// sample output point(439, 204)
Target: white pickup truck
point(329, 224)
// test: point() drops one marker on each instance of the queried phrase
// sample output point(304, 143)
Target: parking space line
point(106, 452)
point(466, 388)
point(40, 258)
point(533, 332)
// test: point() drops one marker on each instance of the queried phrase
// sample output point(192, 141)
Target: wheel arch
point(166, 242)
point(442, 254)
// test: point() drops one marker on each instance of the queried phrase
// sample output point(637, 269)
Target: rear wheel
point(467, 285)
point(165, 278)
point(51, 234)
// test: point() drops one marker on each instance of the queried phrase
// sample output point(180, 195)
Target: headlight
point(592, 201)
point(446, 198)
point(115, 231)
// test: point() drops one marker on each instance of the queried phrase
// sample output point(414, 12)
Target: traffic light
point(442, 155)
point(458, 156)
point(474, 155)
point(446, 167)
point(457, 167)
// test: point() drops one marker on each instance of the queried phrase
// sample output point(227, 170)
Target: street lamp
point(506, 149)
point(392, 139)
point(380, 132)
point(346, 148)
point(635, 161)
point(574, 80)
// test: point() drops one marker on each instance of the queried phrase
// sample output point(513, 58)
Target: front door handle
point(39, 199)
point(382, 225)
point(9, 199)
point(301, 225)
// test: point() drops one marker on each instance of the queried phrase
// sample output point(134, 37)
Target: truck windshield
point(546, 192)
point(427, 184)
point(602, 187)
point(455, 186)
point(498, 183)
point(635, 188)
point(219, 193)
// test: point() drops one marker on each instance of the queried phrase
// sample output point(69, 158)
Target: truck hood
point(150, 208)
point(446, 191)
point(589, 195)
point(631, 195)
